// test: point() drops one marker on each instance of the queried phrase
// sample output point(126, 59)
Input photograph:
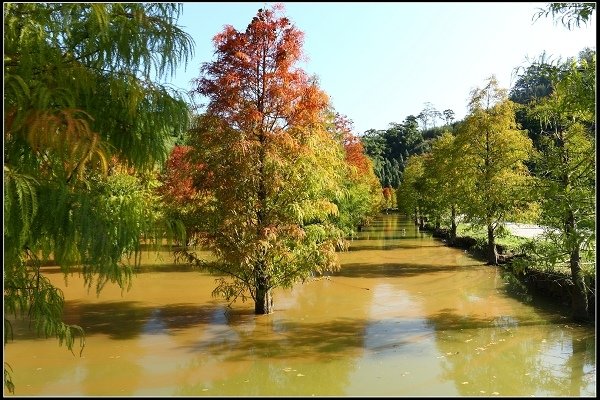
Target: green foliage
point(390, 149)
point(494, 150)
point(360, 195)
point(505, 238)
point(565, 168)
point(570, 14)
point(410, 192)
point(567, 158)
point(81, 96)
point(302, 177)
point(358, 203)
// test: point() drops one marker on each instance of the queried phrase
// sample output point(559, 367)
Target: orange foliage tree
point(271, 167)
point(180, 198)
point(362, 195)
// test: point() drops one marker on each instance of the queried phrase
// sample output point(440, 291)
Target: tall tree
point(409, 195)
point(445, 171)
point(494, 151)
point(429, 113)
point(271, 167)
point(448, 116)
point(80, 90)
point(567, 170)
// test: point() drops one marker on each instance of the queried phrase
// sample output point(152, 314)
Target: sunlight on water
point(405, 316)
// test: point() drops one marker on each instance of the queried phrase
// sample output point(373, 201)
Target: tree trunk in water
point(579, 301)
point(453, 224)
point(492, 253)
point(579, 296)
point(264, 296)
point(263, 303)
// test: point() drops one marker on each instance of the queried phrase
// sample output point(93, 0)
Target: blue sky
point(380, 62)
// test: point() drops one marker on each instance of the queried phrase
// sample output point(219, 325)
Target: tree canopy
point(83, 111)
point(273, 163)
point(495, 150)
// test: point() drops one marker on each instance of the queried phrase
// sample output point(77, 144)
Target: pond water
point(405, 316)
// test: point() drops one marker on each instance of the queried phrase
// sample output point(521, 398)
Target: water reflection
point(405, 316)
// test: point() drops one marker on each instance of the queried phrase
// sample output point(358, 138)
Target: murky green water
point(405, 316)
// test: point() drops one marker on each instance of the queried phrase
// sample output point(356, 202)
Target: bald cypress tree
point(494, 150)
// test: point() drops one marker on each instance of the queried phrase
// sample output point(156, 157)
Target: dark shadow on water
point(449, 319)
point(167, 267)
point(122, 320)
point(288, 340)
point(376, 236)
point(360, 247)
point(233, 332)
point(127, 319)
point(144, 268)
point(359, 270)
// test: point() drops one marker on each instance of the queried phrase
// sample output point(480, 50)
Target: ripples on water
point(405, 316)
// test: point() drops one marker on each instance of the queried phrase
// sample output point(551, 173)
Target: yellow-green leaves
point(81, 87)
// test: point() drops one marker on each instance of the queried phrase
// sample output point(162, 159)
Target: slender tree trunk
point(264, 296)
point(579, 304)
point(579, 301)
point(492, 253)
point(453, 224)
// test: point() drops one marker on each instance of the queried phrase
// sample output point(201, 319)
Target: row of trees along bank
point(523, 156)
point(480, 170)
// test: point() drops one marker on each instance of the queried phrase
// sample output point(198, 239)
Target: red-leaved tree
point(180, 196)
point(362, 192)
point(177, 177)
point(271, 169)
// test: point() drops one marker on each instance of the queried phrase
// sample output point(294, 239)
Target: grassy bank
point(532, 278)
